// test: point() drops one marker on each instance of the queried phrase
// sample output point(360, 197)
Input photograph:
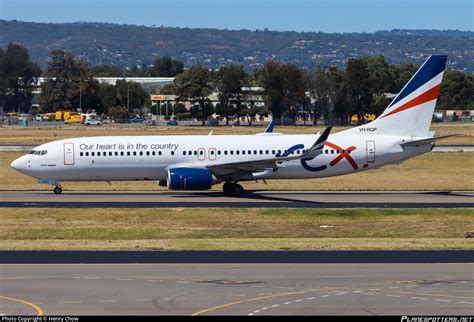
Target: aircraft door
point(68, 153)
point(370, 151)
point(212, 154)
point(201, 154)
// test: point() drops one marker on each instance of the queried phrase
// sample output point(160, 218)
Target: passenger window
point(231, 152)
point(141, 152)
point(184, 152)
point(337, 151)
point(98, 154)
point(201, 152)
point(128, 153)
point(116, 153)
point(159, 152)
point(237, 152)
point(190, 152)
point(219, 152)
point(279, 151)
point(349, 151)
point(110, 153)
point(261, 151)
point(147, 152)
point(92, 154)
point(121, 153)
point(267, 152)
point(225, 152)
point(273, 151)
point(81, 154)
point(332, 151)
point(152, 152)
point(243, 151)
point(134, 152)
point(87, 154)
point(195, 153)
point(212, 152)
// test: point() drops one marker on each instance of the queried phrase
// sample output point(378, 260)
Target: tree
point(321, 91)
point(272, 80)
point(230, 81)
point(68, 85)
point(18, 76)
point(295, 87)
point(193, 85)
point(284, 88)
point(166, 67)
point(359, 89)
point(457, 91)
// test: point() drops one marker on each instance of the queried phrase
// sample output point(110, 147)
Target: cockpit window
point(38, 152)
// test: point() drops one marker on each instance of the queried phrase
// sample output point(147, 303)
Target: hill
point(130, 45)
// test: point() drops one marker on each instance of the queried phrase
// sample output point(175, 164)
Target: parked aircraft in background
point(198, 162)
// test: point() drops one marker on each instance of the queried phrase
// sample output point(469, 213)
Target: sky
point(281, 15)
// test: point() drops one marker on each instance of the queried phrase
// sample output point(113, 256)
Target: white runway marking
point(310, 298)
point(275, 305)
point(124, 279)
point(286, 303)
point(392, 295)
point(440, 300)
point(107, 301)
point(296, 301)
point(466, 302)
point(394, 287)
point(325, 295)
point(418, 298)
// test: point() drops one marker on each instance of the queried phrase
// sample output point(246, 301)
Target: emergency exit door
point(370, 151)
point(68, 153)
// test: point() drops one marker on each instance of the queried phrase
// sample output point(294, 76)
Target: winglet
point(318, 146)
point(270, 127)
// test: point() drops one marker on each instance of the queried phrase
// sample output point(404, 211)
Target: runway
point(251, 199)
point(237, 289)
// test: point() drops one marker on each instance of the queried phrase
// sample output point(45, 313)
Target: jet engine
point(190, 179)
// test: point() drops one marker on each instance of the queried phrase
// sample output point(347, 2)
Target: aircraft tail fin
point(411, 112)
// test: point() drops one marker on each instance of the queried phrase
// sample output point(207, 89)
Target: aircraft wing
point(229, 168)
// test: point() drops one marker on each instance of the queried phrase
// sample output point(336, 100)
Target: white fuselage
point(114, 158)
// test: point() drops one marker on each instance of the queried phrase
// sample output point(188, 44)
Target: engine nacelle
point(190, 179)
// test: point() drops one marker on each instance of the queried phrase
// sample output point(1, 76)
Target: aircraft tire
point(58, 190)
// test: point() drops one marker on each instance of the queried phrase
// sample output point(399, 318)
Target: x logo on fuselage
point(343, 154)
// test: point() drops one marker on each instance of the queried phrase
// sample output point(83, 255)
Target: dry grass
point(38, 135)
point(245, 244)
point(48, 228)
point(431, 171)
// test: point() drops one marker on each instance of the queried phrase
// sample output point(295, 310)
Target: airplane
point(187, 162)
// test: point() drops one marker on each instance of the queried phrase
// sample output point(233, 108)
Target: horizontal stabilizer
point(426, 141)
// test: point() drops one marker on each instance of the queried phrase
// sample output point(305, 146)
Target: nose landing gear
point(58, 190)
point(233, 189)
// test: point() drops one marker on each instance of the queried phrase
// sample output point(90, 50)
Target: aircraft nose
point(19, 164)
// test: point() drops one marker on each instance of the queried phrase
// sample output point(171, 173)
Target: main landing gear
point(58, 190)
point(233, 189)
